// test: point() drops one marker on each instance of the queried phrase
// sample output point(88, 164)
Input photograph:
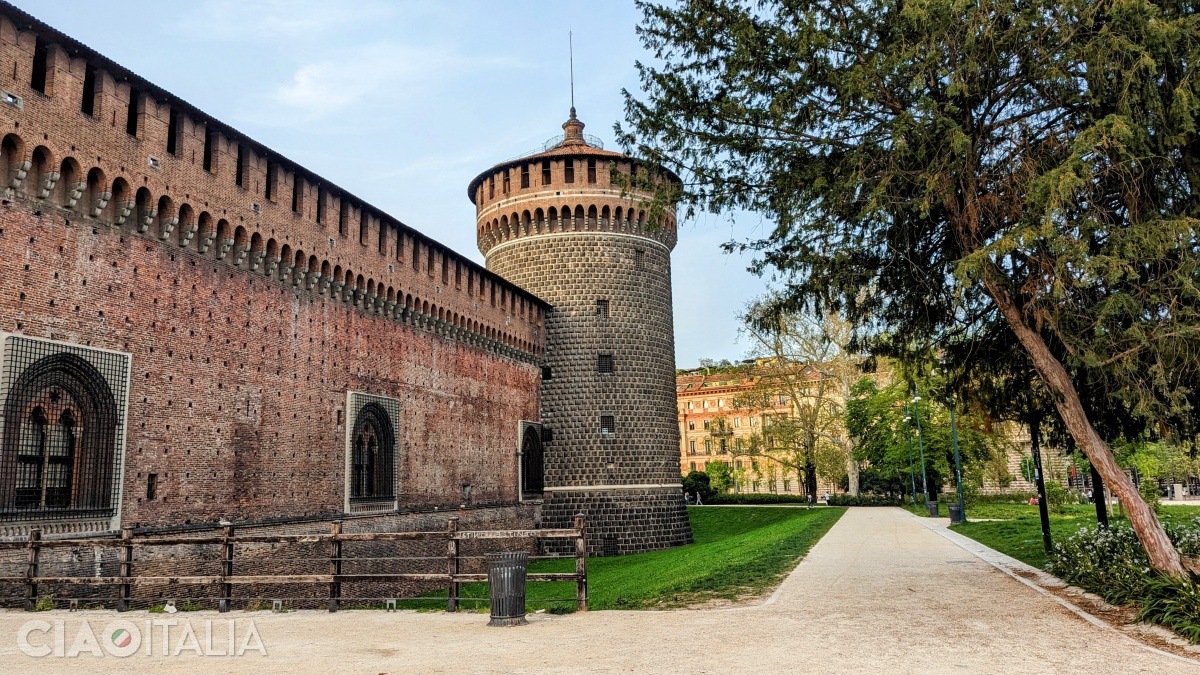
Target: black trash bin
point(932, 507)
point(956, 515)
point(506, 587)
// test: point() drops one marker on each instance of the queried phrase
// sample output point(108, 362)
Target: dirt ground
point(883, 591)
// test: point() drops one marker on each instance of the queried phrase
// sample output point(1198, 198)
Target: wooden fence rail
point(128, 577)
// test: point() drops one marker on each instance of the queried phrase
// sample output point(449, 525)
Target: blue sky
point(404, 102)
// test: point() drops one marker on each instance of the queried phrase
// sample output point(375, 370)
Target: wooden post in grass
point(452, 564)
point(335, 565)
point(1035, 431)
point(31, 569)
point(126, 569)
point(580, 565)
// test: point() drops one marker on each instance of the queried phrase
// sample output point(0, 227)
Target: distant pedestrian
point(1090, 498)
point(699, 501)
point(1033, 501)
point(687, 496)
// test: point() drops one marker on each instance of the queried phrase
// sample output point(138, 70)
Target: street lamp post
point(962, 509)
point(916, 400)
point(912, 476)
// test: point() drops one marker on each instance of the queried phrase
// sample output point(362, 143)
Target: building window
point(63, 430)
point(706, 424)
point(692, 466)
point(602, 309)
point(737, 464)
point(569, 170)
point(547, 373)
point(209, 142)
point(724, 448)
point(151, 487)
point(272, 174)
point(88, 103)
point(239, 176)
point(604, 364)
point(172, 131)
point(783, 399)
point(591, 168)
point(737, 422)
point(639, 259)
point(608, 425)
point(492, 187)
point(753, 421)
point(131, 113)
point(708, 447)
point(371, 440)
point(524, 176)
point(691, 426)
point(532, 460)
point(545, 172)
point(506, 181)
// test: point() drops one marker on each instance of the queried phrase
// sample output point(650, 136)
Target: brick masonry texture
point(573, 245)
point(145, 226)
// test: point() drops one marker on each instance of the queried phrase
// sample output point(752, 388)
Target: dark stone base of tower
point(623, 521)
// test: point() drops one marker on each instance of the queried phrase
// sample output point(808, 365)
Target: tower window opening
point(547, 373)
point(208, 149)
point(37, 79)
point(151, 487)
point(604, 364)
point(491, 187)
point(297, 192)
point(272, 170)
point(506, 181)
point(591, 169)
point(569, 170)
point(343, 217)
point(545, 172)
point(445, 269)
point(321, 196)
point(429, 260)
point(88, 103)
point(362, 227)
point(173, 133)
point(382, 238)
point(639, 259)
point(608, 425)
point(602, 309)
point(458, 274)
point(239, 174)
point(416, 255)
point(131, 112)
point(524, 176)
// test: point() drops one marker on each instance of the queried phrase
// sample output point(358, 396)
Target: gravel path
point(880, 593)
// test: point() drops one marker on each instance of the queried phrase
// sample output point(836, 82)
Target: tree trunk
point(852, 474)
point(1162, 554)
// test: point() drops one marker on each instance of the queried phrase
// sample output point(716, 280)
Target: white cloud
point(290, 19)
point(388, 72)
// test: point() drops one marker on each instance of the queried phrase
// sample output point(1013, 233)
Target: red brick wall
point(240, 370)
point(238, 383)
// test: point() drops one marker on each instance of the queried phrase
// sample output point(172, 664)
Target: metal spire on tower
point(571, 52)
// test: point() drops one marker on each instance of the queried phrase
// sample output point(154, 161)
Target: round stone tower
point(555, 224)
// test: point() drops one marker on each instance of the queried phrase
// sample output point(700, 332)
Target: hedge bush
point(755, 498)
point(1110, 562)
point(864, 500)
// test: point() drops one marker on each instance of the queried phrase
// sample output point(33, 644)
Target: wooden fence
point(228, 541)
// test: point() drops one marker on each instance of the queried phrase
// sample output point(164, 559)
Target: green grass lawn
point(737, 551)
point(1016, 530)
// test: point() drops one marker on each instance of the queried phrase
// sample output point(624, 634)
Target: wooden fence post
point(335, 566)
point(124, 592)
point(226, 602)
point(31, 570)
point(580, 565)
point(452, 564)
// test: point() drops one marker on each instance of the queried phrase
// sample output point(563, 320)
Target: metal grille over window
point(63, 432)
point(602, 309)
point(372, 444)
point(604, 363)
point(639, 259)
point(608, 425)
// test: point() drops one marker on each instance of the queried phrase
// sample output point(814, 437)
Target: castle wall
point(238, 385)
point(252, 296)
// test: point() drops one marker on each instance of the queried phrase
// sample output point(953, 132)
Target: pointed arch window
point(371, 448)
point(62, 431)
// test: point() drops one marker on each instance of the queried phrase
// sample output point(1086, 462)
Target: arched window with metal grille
point(532, 462)
point(371, 453)
point(62, 435)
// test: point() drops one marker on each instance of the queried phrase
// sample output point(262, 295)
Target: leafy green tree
point(934, 167)
point(720, 476)
point(698, 482)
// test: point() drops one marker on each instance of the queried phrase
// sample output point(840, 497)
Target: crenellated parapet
point(83, 135)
